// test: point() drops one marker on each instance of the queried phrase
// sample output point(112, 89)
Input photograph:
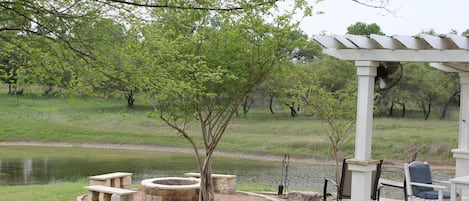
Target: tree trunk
point(130, 99)
point(293, 112)
point(426, 109)
point(337, 172)
point(391, 109)
point(207, 192)
point(403, 110)
point(445, 110)
point(247, 105)
point(271, 104)
point(9, 89)
point(429, 110)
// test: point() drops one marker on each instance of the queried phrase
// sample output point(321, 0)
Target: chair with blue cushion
point(419, 184)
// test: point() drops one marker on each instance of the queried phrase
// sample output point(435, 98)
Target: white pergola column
point(461, 154)
point(366, 71)
point(362, 165)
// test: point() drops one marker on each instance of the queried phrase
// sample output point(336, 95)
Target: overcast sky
point(413, 17)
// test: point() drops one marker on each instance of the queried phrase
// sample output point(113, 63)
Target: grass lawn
point(62, 191)
point(32, 118)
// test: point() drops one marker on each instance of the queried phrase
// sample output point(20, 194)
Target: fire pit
point(171, 189)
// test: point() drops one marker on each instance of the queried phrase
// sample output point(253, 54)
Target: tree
point(361, 28)
point(466, 32)
point(336, 110)
point(10, 64)
point(114, 51)
point(203, 67)
point(426, 87)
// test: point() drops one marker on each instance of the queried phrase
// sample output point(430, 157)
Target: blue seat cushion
point(420, 173)
point(433, 195)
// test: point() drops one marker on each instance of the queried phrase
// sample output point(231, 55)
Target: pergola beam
point(436, 56)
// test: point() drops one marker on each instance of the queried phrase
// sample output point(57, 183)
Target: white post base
point(361, 178)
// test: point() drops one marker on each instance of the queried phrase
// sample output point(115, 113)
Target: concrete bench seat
point(224, 183)
point(106, 193)
point(116, 179)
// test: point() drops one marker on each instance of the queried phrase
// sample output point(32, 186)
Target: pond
point(20, 165)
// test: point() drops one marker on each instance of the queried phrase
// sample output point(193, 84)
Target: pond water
point(41, 165)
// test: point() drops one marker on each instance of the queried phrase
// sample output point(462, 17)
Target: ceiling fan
point(388, 75)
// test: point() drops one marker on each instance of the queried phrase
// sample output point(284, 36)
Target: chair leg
point(325, 190)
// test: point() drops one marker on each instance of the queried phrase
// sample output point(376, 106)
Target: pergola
point(445, 52)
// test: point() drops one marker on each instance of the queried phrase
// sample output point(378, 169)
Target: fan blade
point(382, 83)
point(391, 67)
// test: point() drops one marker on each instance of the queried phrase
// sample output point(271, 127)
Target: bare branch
point(379, 4)
point(131, 3)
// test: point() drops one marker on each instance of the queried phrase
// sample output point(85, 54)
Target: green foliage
point(465, 32)
point(361, 28)
point(426, 87)
point(336, 110)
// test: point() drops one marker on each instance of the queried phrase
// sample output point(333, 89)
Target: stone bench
point(106, 193)
point(223, 183)
point(116, 179)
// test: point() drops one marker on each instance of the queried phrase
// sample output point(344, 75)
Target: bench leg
point(116, 197)
point(125, 182)
point(116, 183)
point(104, 197)
point(93, 196)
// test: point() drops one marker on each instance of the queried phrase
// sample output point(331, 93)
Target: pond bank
point(312, 161)
point(163, 149)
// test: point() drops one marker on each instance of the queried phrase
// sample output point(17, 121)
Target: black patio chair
point(345, 186)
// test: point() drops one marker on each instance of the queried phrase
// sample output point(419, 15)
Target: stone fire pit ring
point(171, 188)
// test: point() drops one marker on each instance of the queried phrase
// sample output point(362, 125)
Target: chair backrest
point(418, 172)
point(345, 186)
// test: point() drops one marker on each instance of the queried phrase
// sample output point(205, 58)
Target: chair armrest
point(442, 182)
point(326, 180)
point(438, 187)
point(332, 181)
point(391, 183)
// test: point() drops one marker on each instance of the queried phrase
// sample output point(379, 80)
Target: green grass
point(62, 191)
point(44, 119)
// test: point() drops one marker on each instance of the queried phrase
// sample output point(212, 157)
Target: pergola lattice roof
point(446, 52)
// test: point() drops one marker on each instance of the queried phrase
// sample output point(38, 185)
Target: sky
point(412, 17)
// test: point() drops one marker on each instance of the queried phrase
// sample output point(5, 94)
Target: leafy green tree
point(115, 62)
point(203, 70)
point(465, 32)
point(10, 64)
point(336, 109)
point(326, 90)
point(361, 28)
point(427, 87)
